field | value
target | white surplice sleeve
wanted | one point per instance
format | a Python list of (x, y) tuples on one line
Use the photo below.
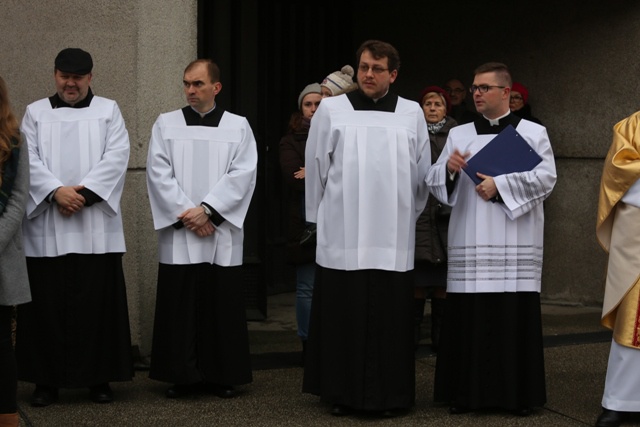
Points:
[(522, 191), (317, 161), (423, 160), (106, 177), (231, 195), (438, 174), (167, 198), (42, 181)]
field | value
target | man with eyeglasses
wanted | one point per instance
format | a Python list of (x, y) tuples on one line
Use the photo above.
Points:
[(366, 161), (459, 108), (491, 353)]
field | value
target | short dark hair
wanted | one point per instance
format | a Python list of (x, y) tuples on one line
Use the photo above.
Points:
[(501, 70), (212, 68), (378, 50)]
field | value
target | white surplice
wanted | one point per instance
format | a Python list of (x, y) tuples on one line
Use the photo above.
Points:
[(188, 165), (365, 184), (75, 146), (495, 247)]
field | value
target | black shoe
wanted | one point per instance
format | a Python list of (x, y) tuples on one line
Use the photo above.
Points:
[(456, 410), (101, 393), (222, 391), (44, 396), (177, 391), (341, 410), (523, 412), (609, 418), (395, 412)]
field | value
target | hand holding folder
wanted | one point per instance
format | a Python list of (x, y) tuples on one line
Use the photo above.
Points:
[(507, 153)]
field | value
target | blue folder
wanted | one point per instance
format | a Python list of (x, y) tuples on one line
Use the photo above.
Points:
[(507, 153)]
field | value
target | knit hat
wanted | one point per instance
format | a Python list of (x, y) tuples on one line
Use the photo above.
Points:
[(519, 87), (311, 88), (339, 82), (439, 90), (74, 61)]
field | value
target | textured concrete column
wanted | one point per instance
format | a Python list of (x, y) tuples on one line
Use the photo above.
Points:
[(140, 49)]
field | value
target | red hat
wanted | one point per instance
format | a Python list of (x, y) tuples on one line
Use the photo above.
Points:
[(519, 87), (439, 90)]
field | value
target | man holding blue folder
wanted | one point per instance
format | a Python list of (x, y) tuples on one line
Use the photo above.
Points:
[(491, 352)]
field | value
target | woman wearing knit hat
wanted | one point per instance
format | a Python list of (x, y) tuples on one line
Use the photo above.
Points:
[(339, 82), (518, 103), (303, 255), (433, 224)]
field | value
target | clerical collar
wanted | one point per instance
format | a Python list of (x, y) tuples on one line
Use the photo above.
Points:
[(57, 102), (361, 102), (496, 121), (484, 127), (211, 118), (204, 114)]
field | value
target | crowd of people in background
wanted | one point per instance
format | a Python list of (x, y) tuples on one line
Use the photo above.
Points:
[(381, 218)]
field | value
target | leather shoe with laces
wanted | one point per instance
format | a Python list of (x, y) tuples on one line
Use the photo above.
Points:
[(44, 396), (609, 418), (101, 393)]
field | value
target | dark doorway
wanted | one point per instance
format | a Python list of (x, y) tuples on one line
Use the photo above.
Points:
[(268, 51)]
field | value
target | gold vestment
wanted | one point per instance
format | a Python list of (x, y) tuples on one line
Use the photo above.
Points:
[(618, 232)]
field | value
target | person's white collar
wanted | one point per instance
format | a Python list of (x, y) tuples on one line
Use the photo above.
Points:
[(496, 121), (204, 114), (375, 100)]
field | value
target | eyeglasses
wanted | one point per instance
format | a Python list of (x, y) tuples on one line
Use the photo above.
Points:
[(483, 88), (517, 98), (364, 68), (456, 90)]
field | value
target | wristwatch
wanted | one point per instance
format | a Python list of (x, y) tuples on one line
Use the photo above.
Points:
[(207, 211)]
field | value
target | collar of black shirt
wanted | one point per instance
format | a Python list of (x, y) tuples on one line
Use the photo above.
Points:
[(483, 126), (57, 102), (362, 102), (211, 119)]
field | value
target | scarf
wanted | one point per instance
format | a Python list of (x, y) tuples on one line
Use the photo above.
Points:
[(435, 127), (9, 172)]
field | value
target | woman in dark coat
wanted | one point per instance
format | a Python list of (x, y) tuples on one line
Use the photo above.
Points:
[(292, 147), (433, 223)]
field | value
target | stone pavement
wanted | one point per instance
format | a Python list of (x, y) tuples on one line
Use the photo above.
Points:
[(576, 351)]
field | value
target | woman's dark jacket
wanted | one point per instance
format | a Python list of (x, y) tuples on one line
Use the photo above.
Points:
[(292, 147), (433, 224)]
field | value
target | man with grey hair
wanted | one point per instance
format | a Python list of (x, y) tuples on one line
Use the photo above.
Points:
[(75, 333)]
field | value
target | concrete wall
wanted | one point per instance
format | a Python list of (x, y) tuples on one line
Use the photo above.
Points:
[(139, 49)]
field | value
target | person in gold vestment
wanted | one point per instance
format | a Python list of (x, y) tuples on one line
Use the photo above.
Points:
[(618, 232)]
